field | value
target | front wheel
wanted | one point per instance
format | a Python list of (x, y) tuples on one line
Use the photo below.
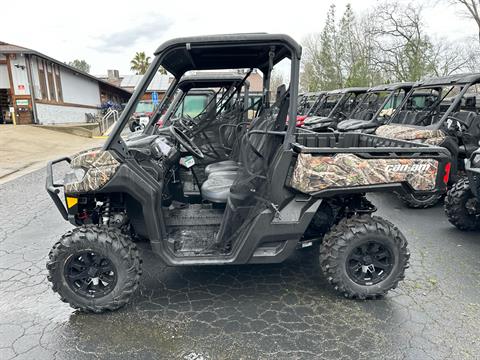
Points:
[(420, 201), (462, 207), (364, 256), (94, 268)]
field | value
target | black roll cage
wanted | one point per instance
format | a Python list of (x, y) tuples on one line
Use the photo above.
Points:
[(235, 51), (392, 89), (463, 89)]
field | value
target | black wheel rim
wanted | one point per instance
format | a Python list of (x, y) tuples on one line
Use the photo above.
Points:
[(90, 274), (370, 263)]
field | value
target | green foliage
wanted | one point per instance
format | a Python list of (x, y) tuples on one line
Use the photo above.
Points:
[(81, 65), (140, 63), (386, 44)]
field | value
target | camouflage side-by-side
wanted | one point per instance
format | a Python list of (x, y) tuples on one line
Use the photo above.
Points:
[(316, 173), (99, 166), (401, 132)]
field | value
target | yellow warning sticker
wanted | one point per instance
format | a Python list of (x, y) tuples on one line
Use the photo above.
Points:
[(71, 201)]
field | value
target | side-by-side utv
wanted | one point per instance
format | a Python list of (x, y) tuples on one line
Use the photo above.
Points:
[(462, 203), (334, 107), (375, 108), (440, 111), (292, 188), (307, 104)]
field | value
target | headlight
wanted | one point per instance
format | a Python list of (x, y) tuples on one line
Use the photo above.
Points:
[(97, 166)]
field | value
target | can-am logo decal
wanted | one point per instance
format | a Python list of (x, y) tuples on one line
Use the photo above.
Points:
[(417, 168)]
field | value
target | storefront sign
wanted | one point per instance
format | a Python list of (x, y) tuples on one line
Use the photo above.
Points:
[(21, 102), (21, 87)]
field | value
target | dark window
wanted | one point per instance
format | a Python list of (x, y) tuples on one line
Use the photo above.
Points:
[(58, 82), (43, 82), (51, 83)]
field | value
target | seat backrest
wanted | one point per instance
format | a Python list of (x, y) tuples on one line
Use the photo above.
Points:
[(401, 116), (465, 116), (257, 150), (420, 118)]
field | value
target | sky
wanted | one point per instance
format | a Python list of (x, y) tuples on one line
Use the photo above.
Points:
[(108, 33)]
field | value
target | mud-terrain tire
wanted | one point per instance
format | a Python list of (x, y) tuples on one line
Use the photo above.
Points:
[(339, 251), (456, 206), (94, 268), (420, 201)]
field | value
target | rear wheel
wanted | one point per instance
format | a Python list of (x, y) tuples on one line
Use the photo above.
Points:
[(364, 257), (462, 207), (420, 201), (94, 268)]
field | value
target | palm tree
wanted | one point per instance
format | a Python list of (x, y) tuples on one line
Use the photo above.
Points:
[(140, 63)]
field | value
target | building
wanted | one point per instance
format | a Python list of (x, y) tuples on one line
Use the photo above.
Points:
[(42, 90), (160, 82)]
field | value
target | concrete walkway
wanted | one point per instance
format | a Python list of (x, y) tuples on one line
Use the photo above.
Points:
[(25, 148)]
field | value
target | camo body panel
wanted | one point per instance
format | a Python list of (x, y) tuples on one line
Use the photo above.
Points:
[(316, 173), (400, 132), (99, 166)]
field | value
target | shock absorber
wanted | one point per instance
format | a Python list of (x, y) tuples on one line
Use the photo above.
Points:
[(106, 212)]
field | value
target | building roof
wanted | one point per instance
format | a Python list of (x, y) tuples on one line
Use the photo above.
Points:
[(255, 79), (210, 81), (15, 49), (159, 83)]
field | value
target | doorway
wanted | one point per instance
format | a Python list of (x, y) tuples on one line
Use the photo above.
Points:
[(5, 104)]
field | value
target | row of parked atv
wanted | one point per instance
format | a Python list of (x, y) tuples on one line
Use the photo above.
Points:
[(228, 183), (441, 111)]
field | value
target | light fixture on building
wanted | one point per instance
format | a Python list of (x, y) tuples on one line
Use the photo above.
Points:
[(19, 66)]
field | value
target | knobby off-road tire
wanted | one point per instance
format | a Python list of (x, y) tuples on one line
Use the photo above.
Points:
[(456, 206), (115, 255), (420, 201), (345, 240)]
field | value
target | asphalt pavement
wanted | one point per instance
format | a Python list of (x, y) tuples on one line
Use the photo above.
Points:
[(284, 311)]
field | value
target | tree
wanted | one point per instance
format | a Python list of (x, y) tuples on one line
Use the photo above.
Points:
[(341, 55), (81, 65), (471, 9), (405, 51), (386, 44), (140, 63), (449, 58), (321, 66)]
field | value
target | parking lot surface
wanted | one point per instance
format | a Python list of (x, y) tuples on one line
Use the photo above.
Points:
[(284, 311)]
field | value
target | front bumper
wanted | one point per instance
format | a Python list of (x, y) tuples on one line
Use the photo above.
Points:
[(54, 189)]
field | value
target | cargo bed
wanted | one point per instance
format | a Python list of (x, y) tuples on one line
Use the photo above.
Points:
[(333, 163)]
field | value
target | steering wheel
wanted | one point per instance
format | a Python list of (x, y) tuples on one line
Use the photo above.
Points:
[(463, 123), (187, 122), (186, 142)]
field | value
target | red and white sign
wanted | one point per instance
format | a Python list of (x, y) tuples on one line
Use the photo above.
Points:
[(21, 87)]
